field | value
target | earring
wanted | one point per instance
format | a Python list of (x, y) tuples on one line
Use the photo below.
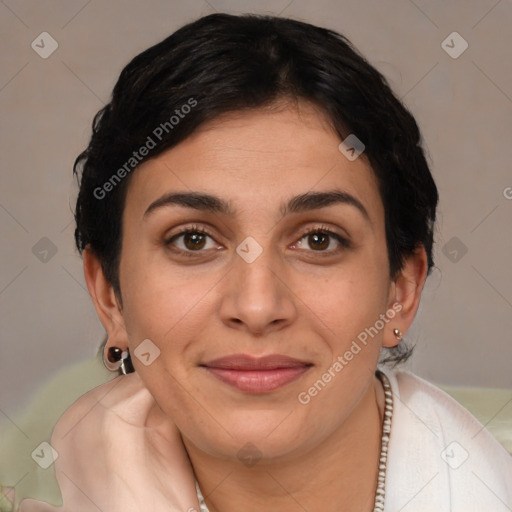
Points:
[(117, 360), (398, 334)]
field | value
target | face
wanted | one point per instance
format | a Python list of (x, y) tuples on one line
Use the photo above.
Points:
[(252, 283)]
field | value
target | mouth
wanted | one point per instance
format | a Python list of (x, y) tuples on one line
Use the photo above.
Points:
[(256, 374)]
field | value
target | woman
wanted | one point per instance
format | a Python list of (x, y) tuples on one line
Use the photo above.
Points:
[(256, 220)]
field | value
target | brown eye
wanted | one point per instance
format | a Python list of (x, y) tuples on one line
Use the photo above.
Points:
[(194, 241), (320, 239), (191, 240)]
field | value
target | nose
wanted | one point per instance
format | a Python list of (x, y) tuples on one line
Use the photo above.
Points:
[(256, 296)]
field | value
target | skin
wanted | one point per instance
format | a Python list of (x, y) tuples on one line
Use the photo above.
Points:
[(295, 299)]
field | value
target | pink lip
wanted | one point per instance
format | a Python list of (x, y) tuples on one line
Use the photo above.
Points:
[(257, 375)]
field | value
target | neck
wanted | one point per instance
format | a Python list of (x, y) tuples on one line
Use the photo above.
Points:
[(339, 473)]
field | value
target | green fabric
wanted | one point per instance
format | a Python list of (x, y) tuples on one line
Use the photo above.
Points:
[(5, 504), (492, 407)]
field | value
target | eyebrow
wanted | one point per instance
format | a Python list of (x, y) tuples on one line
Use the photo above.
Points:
[(297, 204)]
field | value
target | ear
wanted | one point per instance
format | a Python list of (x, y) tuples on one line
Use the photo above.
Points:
[(105, 301), (404, 295)]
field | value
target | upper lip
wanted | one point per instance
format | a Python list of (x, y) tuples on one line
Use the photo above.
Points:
[(246, 362)]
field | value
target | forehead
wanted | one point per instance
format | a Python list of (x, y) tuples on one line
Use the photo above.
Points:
[(255, 159)]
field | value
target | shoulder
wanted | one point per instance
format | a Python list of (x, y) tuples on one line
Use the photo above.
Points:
[(88, 439), (440, 448), (125, 396), (109, 448), (437, 407), (93, 432)]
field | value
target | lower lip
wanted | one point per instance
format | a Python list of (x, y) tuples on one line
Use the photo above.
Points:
[(258, 381)]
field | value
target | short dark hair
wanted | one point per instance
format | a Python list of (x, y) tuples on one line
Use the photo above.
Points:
[(225, 63)]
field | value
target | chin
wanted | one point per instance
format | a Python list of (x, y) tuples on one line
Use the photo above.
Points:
[(269, 435)]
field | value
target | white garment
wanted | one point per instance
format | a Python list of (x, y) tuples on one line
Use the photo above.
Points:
[(440, 458)]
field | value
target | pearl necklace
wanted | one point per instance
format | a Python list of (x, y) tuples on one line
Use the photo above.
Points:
[(386, 430)]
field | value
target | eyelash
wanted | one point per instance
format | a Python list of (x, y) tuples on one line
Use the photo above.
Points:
[(323, 230), (186, 231), (311, 231)]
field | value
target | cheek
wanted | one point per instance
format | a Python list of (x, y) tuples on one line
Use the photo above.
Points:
[(349, 300), (159, 299), (169, 315), (346, 314)]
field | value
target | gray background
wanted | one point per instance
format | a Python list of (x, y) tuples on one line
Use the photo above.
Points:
[(463, 106)]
